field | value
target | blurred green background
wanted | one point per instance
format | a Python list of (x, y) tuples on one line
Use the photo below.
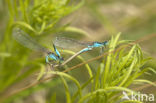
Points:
[(93, 20)]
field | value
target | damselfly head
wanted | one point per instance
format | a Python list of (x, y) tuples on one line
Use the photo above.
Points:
[(49, 53), (105, 42)]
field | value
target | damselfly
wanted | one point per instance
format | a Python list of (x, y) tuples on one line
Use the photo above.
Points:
[(71, 43), (27, 41)]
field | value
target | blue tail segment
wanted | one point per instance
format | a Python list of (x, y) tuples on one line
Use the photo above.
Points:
[(85, 49), (98, 44), (95, 45), (56, 51)]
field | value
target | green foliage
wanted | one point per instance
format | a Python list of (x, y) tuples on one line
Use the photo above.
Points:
[(40, 16), (35, 17), (115, 74)]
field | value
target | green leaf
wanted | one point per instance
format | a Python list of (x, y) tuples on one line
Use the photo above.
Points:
[(5, 54), (42, 71), (127, 73), (82, 87), (25, 25), (77, 30), (112, 45), (68, 97), (145, 81), (53, 98), (94, 93), (126, 59), (69, 77)]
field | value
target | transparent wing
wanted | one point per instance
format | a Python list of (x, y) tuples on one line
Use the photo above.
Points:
[(69, 43), (24, 39)]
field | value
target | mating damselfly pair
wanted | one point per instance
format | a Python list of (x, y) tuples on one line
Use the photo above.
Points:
[(27, 41)]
